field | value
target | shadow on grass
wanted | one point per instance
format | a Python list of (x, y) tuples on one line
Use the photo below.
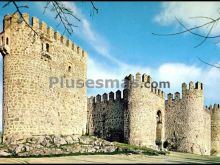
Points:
[(210, 160), (69, 154), (144, 150)]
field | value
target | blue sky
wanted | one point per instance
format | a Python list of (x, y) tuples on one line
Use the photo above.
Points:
[(119, 41)]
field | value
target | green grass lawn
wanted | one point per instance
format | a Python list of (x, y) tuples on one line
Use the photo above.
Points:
[(145, 150)]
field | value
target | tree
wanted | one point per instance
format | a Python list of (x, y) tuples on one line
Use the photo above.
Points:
[(61, 12), (194, 31)]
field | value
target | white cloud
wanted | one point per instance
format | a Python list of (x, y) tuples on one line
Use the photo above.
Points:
[(178, 73), (175, 73), (86, 32), (185, 10), (97, 70), (89, 35), (212, 78)]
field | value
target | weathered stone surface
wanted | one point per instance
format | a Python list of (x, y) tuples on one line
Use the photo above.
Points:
[(69, 140), (85, 140), (20, 148), (131, 118), (144, 118), (46, 142), (58, 141), (56, 145), (4, 154), (31, 106), (188, 124), (215, 127), (75, 138)]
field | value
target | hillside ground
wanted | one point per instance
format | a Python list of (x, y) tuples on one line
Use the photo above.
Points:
[(173, 157)]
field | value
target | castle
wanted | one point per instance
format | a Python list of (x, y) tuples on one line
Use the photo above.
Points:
[(138, 116)]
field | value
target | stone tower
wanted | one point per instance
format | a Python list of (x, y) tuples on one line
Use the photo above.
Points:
[(31, 57), (215, 127), (187, 122), (136, 118), (145, 112)]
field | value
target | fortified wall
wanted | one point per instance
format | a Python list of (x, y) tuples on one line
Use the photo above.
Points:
[(188, 123), (106, 116), (136, 118), (145, 112), (30, 57), (33, 53), (143, 117), (215, 127)]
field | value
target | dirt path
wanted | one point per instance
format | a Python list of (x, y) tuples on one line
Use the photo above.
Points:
[(172, 158)]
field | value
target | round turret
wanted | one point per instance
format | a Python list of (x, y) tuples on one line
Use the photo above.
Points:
[(215, 127), (145, 113), (196, 121)]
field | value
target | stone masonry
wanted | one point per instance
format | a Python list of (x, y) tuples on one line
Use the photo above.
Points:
[(31, 107), (136, 118), (187, 122), (143, 117), (138, 115), (215, 127)]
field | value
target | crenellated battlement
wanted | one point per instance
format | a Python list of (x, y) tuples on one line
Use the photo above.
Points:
[(190, 89), (215, 126), (4, 44), (138, 78), (214, 108), (143, 81), (157, 92), (42, 29), (197, 86), (111, 96), (173, 97)]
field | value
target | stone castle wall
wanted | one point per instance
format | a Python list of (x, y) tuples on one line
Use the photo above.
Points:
[(106, 116), (132, 118), (140, 117), (188, 124), (31, 107), (215, 127), (145, 112)]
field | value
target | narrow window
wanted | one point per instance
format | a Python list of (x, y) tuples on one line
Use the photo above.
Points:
[(159, 117), (2, 40), (7, 41), (42, 47), (159, 129), (47, 47), (69, 68), (77, 49), (83, 53)]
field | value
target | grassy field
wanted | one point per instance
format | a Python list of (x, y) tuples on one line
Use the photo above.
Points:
[(127, 154), (173, 157), (144, 150)]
